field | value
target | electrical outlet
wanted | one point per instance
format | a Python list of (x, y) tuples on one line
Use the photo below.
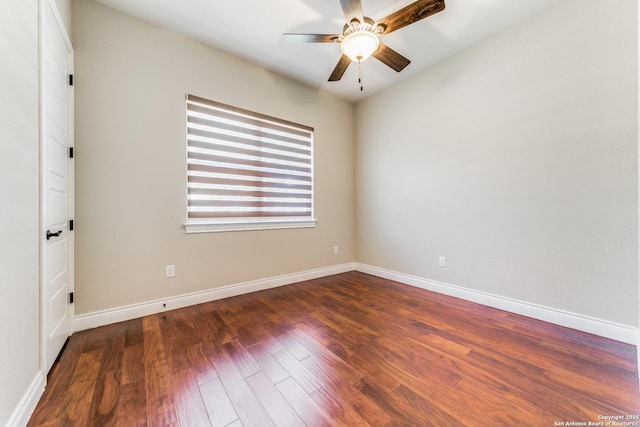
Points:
[(336, 249), (170, 270), (443, 261)]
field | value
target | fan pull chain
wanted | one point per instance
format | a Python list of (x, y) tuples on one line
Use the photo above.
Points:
[(360, 75)]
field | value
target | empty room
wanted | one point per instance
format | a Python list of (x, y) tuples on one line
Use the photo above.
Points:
[(319, 213)]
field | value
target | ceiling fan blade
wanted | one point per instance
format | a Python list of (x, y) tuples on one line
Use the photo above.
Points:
[(390, 57), (352, 9), (341, 67), (408, 15), (311, 38)]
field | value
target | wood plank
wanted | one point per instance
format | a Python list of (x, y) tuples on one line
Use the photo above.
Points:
[(133, 332), (132, 408), (60, 378), (78, 398), (242, 359), (132, 364), (300, 374), (161, 409), (268, 364), (427, 412), (280, 412), (105, 398), (245, 403), (219, 407), (348, 349), (202, 367), (106, 392), (189, 404), (295, 348), (343, 399), (341, 412), (306, 408)]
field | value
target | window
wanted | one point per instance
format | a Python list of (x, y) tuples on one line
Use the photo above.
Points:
[(246, 170)]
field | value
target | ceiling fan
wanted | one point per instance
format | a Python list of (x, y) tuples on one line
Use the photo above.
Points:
[(360, 36)]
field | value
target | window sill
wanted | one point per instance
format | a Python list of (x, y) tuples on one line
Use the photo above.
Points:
[(219, 227)]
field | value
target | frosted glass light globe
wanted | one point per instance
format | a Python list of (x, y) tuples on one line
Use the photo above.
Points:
[(359, 45)]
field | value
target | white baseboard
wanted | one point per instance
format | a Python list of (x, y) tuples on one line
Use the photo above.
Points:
[(120, 314), (580, 322), (28, 403)]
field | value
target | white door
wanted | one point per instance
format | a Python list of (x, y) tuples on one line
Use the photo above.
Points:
[(57, 204)]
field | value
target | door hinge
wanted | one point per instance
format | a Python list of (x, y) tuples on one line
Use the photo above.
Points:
[(70, 297), (70, 79), (71, 225), (71, 152)]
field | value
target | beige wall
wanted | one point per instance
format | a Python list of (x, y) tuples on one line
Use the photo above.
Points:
[(131, 81), (19, 202), (517, 160)]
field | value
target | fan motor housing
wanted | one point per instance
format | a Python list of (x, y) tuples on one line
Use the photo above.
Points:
[(368, 24)]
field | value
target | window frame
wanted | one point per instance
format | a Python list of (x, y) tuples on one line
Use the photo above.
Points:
[(250, 119)]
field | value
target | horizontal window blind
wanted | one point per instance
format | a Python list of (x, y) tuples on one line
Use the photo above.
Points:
[(242, 164)]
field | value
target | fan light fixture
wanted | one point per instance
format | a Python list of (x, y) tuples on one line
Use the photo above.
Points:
[(359, 38), (359, 45)]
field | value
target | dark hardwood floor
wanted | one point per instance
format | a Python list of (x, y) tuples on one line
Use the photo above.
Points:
[(346, 350)]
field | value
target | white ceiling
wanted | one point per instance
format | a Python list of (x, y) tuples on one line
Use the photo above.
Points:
[(252, 30)]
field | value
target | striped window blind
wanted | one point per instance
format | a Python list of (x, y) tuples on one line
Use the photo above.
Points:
[(246, 166)]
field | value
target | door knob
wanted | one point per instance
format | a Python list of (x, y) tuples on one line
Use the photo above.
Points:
[(50, 234)]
